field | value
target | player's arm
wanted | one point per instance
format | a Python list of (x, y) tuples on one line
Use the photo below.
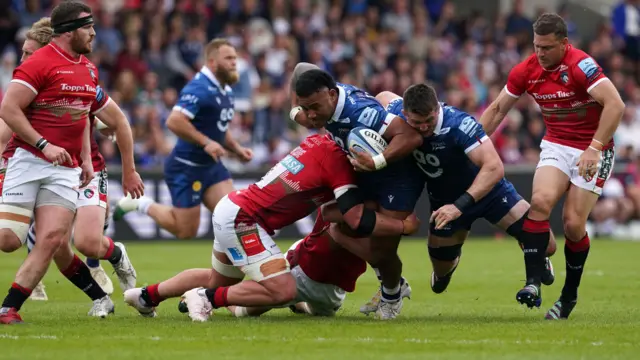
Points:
[(231, 144), (180, 120), (497, 110), (16, 100), (112, 116), (491, 171), (402, 139), (607, 95), (363, 221), (5, 135), (339, 176), (386, 97), (470, 136)]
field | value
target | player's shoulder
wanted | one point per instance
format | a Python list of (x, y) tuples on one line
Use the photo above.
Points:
[(454, 118), (580, 60)]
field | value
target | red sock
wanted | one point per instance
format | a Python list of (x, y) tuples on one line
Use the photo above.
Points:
[(535, 226), (22, 289), (109, 252), (154, 296), (578, 246), (73, 268), (218, 296)]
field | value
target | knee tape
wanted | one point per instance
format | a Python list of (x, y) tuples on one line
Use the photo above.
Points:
[(446, 253), (16, 219), (229, 271), (268, 268)]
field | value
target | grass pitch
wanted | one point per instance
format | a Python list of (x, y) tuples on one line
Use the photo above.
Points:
[(476, 318)]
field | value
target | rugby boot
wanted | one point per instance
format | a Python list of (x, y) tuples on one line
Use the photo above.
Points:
[(561, 309), (530, 295), (133, 298), (372, 305), (9, 316), (548, 275)]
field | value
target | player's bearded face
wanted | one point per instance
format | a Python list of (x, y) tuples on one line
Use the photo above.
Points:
[(225, 68), (549, 50), (82, 39)]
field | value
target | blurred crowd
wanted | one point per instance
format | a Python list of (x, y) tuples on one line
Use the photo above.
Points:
[(147, 50)]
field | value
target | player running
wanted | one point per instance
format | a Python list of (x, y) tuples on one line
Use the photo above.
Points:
[(581, 109), (55, 89), (464, 176), (312, 174), (193, 172), (324, 273), (92, 201), (339, 108)]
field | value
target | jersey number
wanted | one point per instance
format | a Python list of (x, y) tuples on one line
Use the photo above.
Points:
[(225, 116), (428, 160), (338, 141), (271, 175)]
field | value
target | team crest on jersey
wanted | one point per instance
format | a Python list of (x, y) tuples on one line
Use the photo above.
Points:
[(196, 186), (88, 193), (564, 76), (93, 74)]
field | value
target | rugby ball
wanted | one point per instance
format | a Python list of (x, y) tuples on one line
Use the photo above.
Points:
[(365, 139)]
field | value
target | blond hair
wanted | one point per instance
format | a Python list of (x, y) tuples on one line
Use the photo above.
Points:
[(41, 31), (214, 45)]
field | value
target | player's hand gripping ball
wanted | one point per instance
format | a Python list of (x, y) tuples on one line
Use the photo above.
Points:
[(364, 144)]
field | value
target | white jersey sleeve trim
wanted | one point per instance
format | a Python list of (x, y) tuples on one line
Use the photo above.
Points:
[(506, 89), (18, 81), (476, 144), (337, 192), (387, 121), (596, 84), (188, 113), (102, 108)]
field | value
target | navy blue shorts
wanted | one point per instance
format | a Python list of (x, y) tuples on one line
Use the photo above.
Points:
[(493, 207), (187, 182), (395, 188)]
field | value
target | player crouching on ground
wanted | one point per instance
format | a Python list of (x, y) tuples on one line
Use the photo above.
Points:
[(312, 174), (324, 272)]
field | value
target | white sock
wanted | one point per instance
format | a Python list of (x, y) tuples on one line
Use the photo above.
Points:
[(144, 203), (240, 311), (391, 295)]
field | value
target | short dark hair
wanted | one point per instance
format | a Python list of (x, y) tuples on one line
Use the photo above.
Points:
[(420, 99), (67, 11), (314, 80), (551, 23)]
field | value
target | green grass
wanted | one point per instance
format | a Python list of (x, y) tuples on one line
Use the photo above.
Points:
[(477, 318)]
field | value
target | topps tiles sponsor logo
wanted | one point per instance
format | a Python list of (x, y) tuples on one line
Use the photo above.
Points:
[(78, 88), (555, 95)]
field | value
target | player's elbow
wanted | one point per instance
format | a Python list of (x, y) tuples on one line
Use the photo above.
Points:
[(495, 167), (352, 216)]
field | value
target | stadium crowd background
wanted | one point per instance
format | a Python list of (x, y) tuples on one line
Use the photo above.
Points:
[(146, 50)]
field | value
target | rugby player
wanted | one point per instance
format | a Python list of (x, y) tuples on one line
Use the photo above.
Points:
[(92, 201), (324, 272), (312, 174), (194, 172), (464, 177), (47, 106), (339, 108), (581, 109)]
